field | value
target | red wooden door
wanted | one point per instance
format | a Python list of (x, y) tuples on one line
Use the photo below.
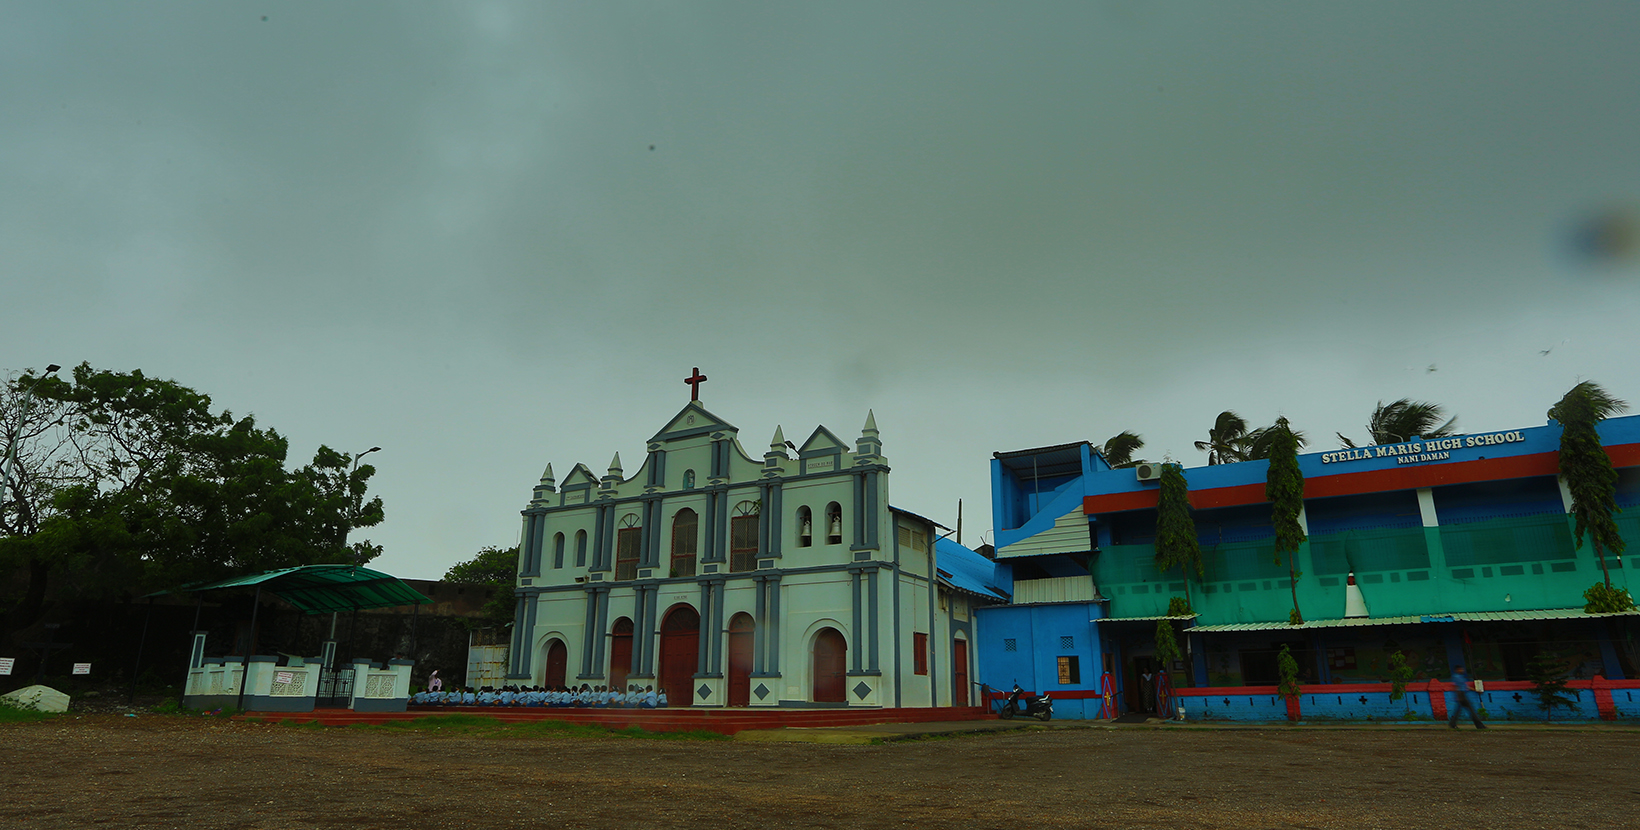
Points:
[(830, 661), (557, 663), (680, 650), (620, 653), (740, 660), (959, 676)]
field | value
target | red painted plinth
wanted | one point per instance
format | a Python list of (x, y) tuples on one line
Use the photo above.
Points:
[(684, 719)]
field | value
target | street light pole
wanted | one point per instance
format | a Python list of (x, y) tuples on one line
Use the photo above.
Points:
[(10, 460)]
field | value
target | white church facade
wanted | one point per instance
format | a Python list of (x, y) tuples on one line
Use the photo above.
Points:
[(733, 581)]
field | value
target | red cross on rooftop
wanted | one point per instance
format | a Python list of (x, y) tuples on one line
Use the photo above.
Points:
[(694, 381)]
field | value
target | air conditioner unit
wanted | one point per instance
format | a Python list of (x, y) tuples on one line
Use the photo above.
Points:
[(1149, 471)]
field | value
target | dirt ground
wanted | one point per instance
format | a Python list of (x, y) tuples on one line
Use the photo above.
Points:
[(188, 772)]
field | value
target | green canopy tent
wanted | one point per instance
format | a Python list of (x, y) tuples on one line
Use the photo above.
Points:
[(312, 589)]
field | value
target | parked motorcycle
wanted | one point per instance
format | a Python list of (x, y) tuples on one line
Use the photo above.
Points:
[(1018, 703)]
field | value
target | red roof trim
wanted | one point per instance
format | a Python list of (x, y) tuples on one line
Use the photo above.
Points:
[(1369, 481)]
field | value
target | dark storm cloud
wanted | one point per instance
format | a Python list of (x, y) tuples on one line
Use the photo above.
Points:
[(441, 227)]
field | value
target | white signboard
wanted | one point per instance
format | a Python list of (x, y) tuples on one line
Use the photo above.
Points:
[(284, 676), (82, 668), (6, 664)]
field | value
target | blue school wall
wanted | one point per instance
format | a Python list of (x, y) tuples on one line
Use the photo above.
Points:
[(1023, 643)]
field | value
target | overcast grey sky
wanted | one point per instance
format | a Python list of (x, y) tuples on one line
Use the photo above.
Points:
[(441, 228)]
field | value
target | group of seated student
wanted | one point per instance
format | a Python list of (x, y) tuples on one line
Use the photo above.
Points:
[(587, 696)]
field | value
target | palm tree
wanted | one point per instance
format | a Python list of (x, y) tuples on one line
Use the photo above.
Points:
[(1230, 440), (1261, 441), (1224, 444), (1284, 487), (1587, 469), (1118, 451), (1396, 422)]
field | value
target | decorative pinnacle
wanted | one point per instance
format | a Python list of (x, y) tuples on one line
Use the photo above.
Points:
[(870, 428), (546, 477), (615, 465), (778, 442)]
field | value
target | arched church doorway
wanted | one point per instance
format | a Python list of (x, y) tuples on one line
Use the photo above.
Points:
[(680, 652), (557, 662), (830, 661), (620, 652), (741, 629)]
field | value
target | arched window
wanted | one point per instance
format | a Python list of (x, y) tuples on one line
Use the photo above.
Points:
[(580, 549), (834, 524), (688, 479), (743, 537), (805, 527), (628, 540), (685, 526), (558, 550)]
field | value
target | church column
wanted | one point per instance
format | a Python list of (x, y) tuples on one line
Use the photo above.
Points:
[(720, 543), (703, 647), (589, 631), (597, 563), (716, 627), (515, 652), (860, 509), (873, 511), (773, 639), (774, 510), (759, 621), (858, 630), (526, 645), (649, 632), (599, 634), (873, 628), (763, 520), (639, 624)]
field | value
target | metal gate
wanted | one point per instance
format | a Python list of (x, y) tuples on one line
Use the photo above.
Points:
[(335, 689)]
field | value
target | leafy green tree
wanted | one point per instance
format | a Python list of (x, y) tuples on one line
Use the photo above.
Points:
[(1399, 675), (1547, 672), (1176, 542), (126, 484), (1287, 671), (1227, 440), (1167, 645), (1587, 469), (1399, 421), (1118, 451), (497, 567), (1284, 487)]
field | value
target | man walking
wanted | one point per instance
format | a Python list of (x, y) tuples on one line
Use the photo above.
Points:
[(1460, 679)]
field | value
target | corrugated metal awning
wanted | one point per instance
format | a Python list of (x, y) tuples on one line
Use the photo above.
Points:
[(1148, 619), (1414, 619)]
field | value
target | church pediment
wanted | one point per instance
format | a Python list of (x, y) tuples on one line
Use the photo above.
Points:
[(822, 442), (693, 420), (580, 475)]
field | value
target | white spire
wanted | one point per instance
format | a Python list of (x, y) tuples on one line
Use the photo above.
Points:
[(778, 442), (546, 476), (871, 424), (615, 465)]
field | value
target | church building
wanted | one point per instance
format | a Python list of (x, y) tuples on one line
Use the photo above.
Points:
[(729, 580)]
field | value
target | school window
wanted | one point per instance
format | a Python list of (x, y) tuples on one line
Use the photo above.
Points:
[(1069, 671), (919, 653), (1010, 644)]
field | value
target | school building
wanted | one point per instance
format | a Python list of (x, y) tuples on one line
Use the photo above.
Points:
[(1460, 551)]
